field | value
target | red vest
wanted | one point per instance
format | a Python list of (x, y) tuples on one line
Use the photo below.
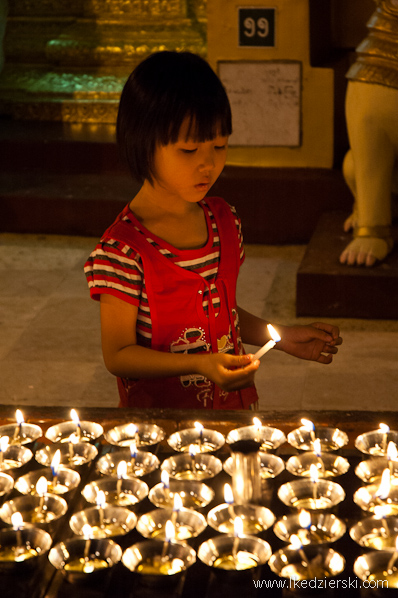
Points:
[(179, 323)]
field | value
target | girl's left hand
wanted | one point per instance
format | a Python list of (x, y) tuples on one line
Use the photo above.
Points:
[(315, 342)]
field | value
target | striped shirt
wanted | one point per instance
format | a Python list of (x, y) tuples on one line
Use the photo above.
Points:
[(116, 268)]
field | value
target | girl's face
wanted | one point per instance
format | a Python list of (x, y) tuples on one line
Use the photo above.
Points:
[(186, 170)]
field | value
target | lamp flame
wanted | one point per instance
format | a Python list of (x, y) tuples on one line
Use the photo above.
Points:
[(19, 417), (169, 531), (4, 442), (238, 527), (193, 450), (74, 417), (16, 521), (198, 426), (308, 424), (392, 451), (317, 447), (100, 499), (257, 423), (314, 474), (304, 519), (133, 450), (56, 460), (177, 504), (228, 494), (165, 478), (384, 489), (295, 542), (384, 428), (41, 486), (121, 470)]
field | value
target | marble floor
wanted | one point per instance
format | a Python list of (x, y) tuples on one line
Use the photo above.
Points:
[(50, 351)]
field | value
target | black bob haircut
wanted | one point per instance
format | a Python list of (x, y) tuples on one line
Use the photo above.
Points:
[(160, 93)]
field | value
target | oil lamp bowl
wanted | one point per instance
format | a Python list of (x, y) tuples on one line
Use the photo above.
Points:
[(69, 555), (29, 433), (255, 518), (144, 463), (83, 453), (15, 456), (376, 533), (206, 442), (53, 508), (324, 528), (217, 553), (328, 465), (6, 484), (147, 435), (331, 439), (375, 442), (270, 438), (106, 522), (323, 562), (371, 470), (372, 567), (140, 557), (201, 466), (89, 431), (270, 465), (365, 497), (299, 494), (187, 523), (131, 491), (34, 540), (66, 481), (194, 495)]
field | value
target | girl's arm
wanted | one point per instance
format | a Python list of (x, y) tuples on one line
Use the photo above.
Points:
[(315, 342), (124, 358)]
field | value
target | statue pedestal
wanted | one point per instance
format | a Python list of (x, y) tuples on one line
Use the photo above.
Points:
[(326, 288)]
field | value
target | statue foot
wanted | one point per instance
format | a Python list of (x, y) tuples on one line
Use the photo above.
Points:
[(366, 251)]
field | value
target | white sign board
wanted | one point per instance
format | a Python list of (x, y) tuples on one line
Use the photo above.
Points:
[(265, 101)]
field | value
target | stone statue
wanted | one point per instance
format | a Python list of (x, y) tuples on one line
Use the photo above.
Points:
[(370, 166)]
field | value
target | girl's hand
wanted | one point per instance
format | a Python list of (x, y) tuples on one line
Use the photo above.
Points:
[(315, 342), (229, 372)]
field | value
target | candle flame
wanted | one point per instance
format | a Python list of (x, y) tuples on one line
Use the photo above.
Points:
[(133, 450), (238, 527), (87, 531), (41, 486), (19, 417), (336, 563), (384, 428), (228, 494), (193, 450), (177, 505), (56, 460), (257, 423), (16, 521), (307, 424), (132, 429), (392, 451), (198, 426), (314, 474), (273, 333), (295, 542), (100, 499), (384, 489), (121, 470), (304, 519), (381, 511), (74, 416), (317, 447), (165, 478), (4, 442), (170, 531)]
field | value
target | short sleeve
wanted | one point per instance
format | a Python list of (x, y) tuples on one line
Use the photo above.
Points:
[(116, 269)]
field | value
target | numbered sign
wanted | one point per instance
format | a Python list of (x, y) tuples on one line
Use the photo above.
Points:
[(257, 27)]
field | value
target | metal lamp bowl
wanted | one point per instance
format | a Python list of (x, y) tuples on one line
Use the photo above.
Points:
[(270, 465), (67, 480), (331, 439), (15, 456), (365, 497), (193, 494), (27, 536), (54, 508), (73, 549), (201, 466), (328, 465), (89, 431), (372, 566), (375, 442), (371, 470), (112, 515), (376, 533), (6, 484), (220, 546), (300, 492), (123, 435), (269, 437), (255, 518), (83, 453), (206, 441), (187, 523), (324, 562), (144, 552), (29, 433), (132, 491), (144, 463), (324, 528)]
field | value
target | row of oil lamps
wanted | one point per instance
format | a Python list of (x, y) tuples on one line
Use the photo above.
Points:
[(309, 529)]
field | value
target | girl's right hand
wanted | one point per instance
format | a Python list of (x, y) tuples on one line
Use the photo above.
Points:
[(229, 372)]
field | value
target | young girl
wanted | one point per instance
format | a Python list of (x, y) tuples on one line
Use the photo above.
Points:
[(165, 272)]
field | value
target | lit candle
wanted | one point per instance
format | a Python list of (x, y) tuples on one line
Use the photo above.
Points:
[(314, 475), (318, 451), (133, 455), (100, 501), (121, 474), (169, 536), (385, 485), (193, 451), (133, 433), (17, 523), (309, 426), (54, 466), (275, 338), (199, 428), (238, 531), (76, 420), (384, 429), (4, 442), (392, 456), (380, 512), (257, 428), (18, 429), (165, 479), (41, 489), (73, 439), (177, 505), (295, 544), (229, 500)]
